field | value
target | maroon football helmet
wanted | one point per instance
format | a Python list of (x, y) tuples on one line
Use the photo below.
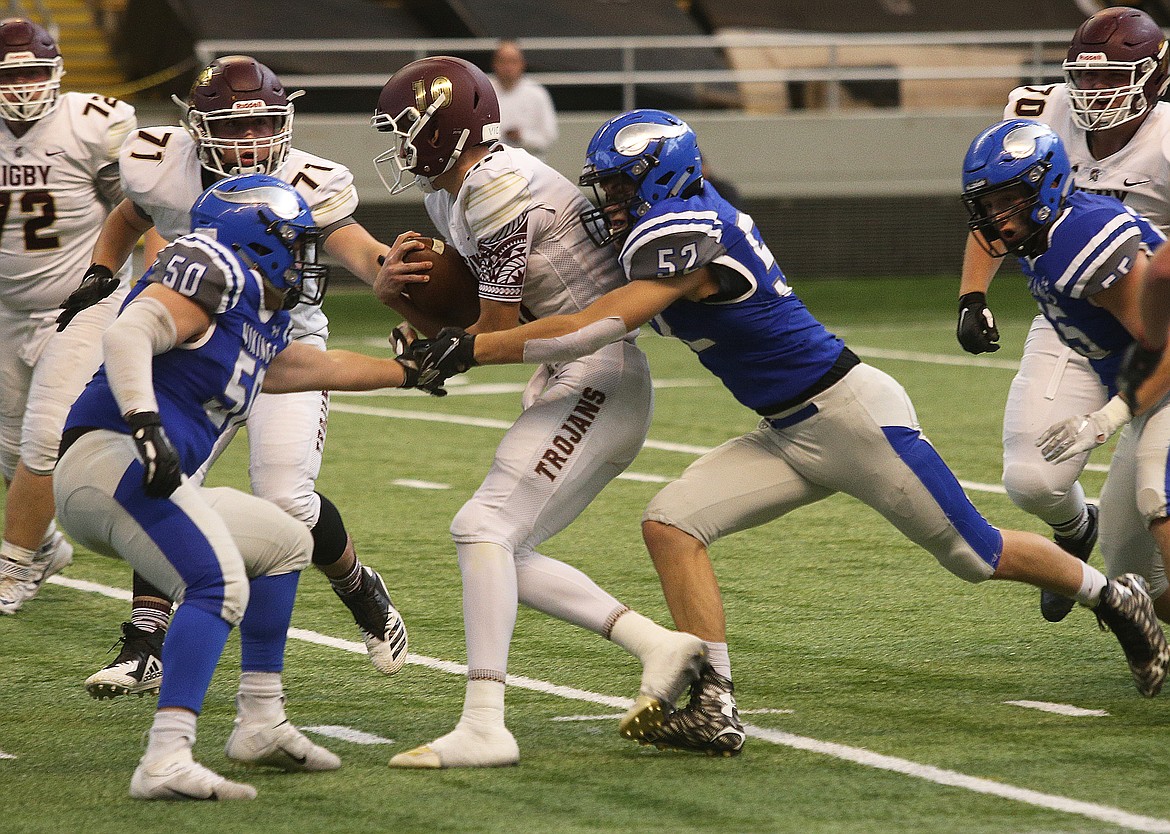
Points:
[(240, 117), (435, 108), (30, 71), (1116, 68)]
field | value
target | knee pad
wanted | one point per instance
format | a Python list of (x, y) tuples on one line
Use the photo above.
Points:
[(304, 507), (1035, 489), (473, 523), (329, 536), (228, 600)]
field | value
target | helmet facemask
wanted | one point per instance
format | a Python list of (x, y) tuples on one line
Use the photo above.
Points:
[(28, 101), (405, 128), (1101, 108), (222, 154), (993, 208), (617, 201)]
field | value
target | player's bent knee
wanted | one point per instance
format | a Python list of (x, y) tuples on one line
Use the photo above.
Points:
[(1035, 490), (304, 507), (476, 523)]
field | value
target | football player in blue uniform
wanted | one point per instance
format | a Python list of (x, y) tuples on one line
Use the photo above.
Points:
[(699, 270), (1085, 256), (199, 336)]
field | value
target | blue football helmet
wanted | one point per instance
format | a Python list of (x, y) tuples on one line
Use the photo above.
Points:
[(1019, 158), (269, 226), (655, 151)]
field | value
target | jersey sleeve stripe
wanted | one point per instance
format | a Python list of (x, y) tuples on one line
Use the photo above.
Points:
[(1074, 272), (1092, 267)]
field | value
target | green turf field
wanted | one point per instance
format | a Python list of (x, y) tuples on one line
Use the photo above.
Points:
[(874, 682)]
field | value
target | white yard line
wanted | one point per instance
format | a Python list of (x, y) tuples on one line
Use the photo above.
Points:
[(347, 734), (485, 423), (1059, 709), (858, 755)]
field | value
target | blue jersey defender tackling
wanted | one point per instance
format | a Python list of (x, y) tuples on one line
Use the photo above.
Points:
[(199, 336), (1085, 257), (699, 270)]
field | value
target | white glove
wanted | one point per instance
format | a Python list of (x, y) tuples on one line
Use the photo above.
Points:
[(1069, 438)]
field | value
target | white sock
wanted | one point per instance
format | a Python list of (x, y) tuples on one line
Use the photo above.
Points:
[(15, 553), (718, 657), (173, 730), (636, 634), (260, 699), (1092, 583), (483, 705), (489, 606), (562, 591)]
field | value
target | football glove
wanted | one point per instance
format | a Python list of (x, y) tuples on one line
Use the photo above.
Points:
[(409, 349), (451, 352), (163, 472), (976, 332), (96, 285), (1069, 438), (1137, 365)]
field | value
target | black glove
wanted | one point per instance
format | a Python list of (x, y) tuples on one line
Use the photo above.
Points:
[(976, 332), (1137, 365), (163, 472), (451, 352), (409, 349), (97, 284)]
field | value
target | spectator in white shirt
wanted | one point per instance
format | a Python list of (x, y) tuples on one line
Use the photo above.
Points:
[(527, 117)]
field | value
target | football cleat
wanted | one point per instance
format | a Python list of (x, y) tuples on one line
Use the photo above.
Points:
[(137, 670), (463, 747), (20, 583), (709, 723), (178, 776), (282, 746), (382, 627), (1124, 608), (666, 671), (1054, 607)]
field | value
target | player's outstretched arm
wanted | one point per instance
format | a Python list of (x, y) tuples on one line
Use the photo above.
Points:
[(302, 368), (633, 304)]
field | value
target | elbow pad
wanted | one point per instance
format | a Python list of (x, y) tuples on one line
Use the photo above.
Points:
[(587, 340)]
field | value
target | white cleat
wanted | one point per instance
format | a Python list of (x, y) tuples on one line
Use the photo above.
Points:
[(282, 746), (463, 747), (180, 777), (20, 583), (666, 672)]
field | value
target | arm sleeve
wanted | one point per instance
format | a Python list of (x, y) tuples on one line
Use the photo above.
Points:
[(142, 331)]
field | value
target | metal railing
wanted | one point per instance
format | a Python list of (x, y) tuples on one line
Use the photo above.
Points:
[(633, 62)]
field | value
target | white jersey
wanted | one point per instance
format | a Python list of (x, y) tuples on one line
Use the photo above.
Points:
[(161, 175), (1138, 174), (57, 184), (517, 223)]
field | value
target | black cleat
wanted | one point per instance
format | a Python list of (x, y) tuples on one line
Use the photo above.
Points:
[(381, 625), (137, 670), (1053, 606), (1125, 609), (709, 723)]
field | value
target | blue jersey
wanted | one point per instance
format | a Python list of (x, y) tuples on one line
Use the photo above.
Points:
[(755, 334), (202, 387), (1092, 244)]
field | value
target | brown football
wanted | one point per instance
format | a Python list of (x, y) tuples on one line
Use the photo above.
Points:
[(452, 295)]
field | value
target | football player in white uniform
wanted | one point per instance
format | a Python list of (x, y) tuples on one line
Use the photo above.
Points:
[(58, 181), (1117, 135), (238, 119), (515, 221)]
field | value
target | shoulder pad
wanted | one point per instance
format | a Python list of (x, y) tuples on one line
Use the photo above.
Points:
[(203, 270)]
